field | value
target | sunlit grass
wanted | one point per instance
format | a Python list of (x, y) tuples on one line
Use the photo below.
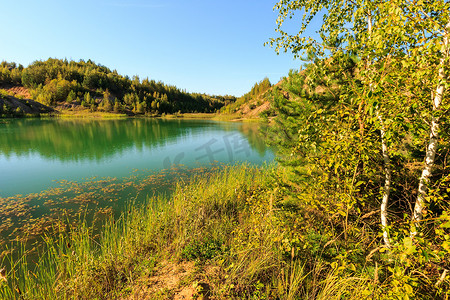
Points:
[(79, 265), (214, 116), (230, 222), (88, 114)]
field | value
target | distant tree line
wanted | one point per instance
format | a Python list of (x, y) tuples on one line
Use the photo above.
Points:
[(97, 87)]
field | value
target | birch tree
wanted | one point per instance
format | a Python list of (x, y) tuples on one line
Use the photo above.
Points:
[(402, 50), (406, 45), (417, 34), (347, 27), (384, 146), (441, 89)]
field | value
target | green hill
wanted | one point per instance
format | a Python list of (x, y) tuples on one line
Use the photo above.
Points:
[(70, 85)]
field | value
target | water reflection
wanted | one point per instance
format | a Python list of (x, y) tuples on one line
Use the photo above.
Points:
[(33, 153), (69, 140), (54, 173)]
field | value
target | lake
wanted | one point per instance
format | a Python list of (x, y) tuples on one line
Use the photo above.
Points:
[(53, 170)]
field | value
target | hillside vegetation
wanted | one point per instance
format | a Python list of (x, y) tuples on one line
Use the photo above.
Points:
[(253, 104), (70, 85)]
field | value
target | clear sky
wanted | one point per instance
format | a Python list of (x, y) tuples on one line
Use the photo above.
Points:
[(209, 46)]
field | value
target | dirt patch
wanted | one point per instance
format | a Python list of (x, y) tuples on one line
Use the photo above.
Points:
[(252, 110), (16, 100), (19, 91), (170, 280), (254, 113)]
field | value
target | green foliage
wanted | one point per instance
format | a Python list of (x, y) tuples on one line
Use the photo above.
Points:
[(88, 100), (117, 106), (333, 166), (34, 76), (203, 250), (52, 81), (257, 90), (141, 107), (71, 96), (10, 73), (369, 84)]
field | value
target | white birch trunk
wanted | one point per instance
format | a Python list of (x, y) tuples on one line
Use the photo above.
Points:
[(387, 183), (433, 143), (426, 173), (386, 159)]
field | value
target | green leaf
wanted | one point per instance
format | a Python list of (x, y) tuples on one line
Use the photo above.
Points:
[(410, 248), (446, 225), (408, 288)]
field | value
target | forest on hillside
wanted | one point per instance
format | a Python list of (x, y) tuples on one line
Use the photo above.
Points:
[(94, 86), (256, 92)]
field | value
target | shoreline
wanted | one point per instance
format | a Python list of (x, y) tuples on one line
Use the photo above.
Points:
[(83, 114)]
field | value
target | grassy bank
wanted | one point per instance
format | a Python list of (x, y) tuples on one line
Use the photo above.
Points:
[(213, 116), (87, 115), (231, 235)]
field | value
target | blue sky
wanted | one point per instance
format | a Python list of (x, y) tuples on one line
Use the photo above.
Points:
[(209, 46)]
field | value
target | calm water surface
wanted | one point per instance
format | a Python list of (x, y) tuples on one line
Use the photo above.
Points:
[(36, 153), (56, 173)]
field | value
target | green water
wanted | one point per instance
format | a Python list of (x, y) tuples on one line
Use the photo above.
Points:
[(53, 172), (34, 153)]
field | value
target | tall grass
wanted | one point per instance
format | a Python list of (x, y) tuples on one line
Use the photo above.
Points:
[(231, 220)]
